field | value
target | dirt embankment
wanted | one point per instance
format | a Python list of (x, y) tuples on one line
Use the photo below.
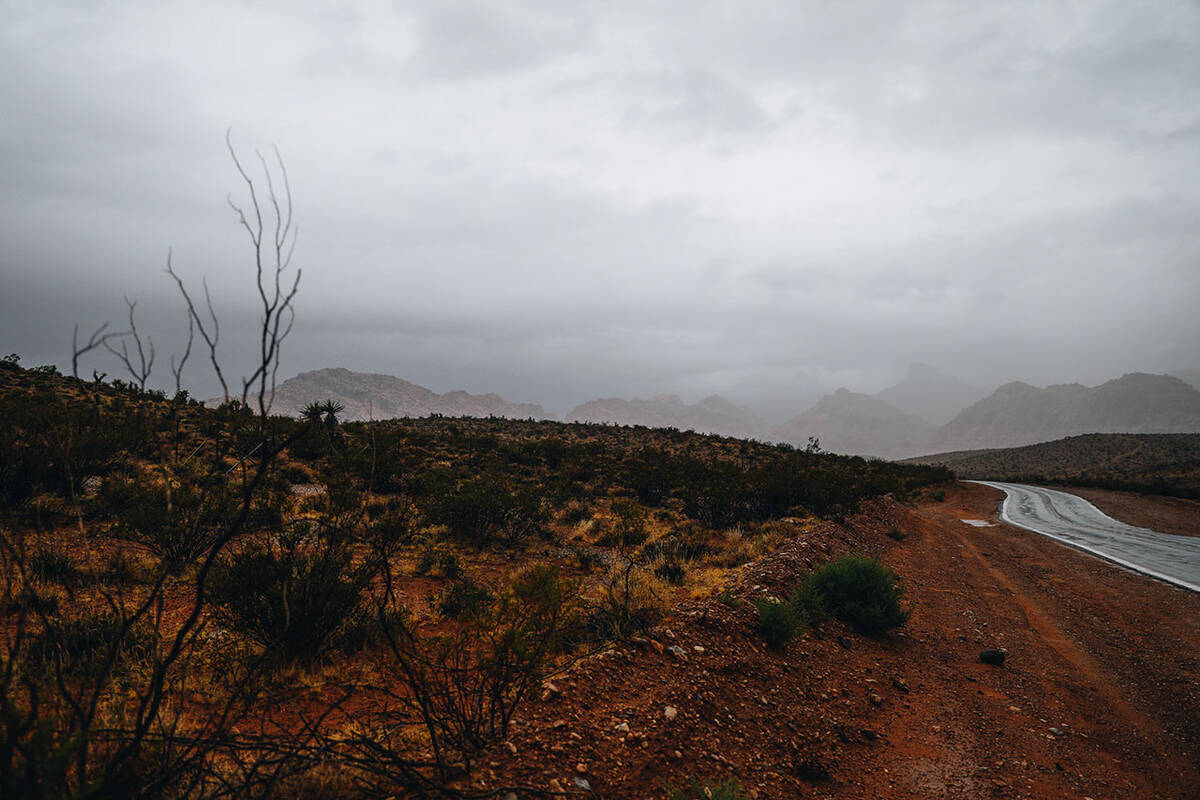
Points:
[(1099, 696), (1163, 514)]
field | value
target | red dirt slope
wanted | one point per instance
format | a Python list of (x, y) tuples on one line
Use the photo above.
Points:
[(1099, 697)]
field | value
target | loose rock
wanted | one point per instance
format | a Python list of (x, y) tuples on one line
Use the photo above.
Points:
[(993, 657)]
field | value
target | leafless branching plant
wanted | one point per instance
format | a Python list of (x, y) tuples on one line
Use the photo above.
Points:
[(141, 368), (97, 340)]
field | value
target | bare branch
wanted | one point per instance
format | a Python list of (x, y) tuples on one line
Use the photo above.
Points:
[(210, 331), (177, 369), (98, 339), (145, 352), (272, 262)]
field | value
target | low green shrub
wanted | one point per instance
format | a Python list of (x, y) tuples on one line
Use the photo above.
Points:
[(779, 621), (464, 597), (55, 566), (730, 789), (861, 592), (291, 598), (83, 646), (896, 534)]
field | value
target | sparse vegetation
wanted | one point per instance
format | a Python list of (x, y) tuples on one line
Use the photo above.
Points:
[(779, 621), (198, 552), (696, 789), (861, 592)]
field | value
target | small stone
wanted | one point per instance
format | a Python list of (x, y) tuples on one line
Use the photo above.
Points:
[(677, 651), (993, 656), (669, 713), (1057, 731), (621, 727), (900, 685), (1015, 709), (581, 768), (511, 748), (876, 700), (698, 648), (582, 783), (657, 645)]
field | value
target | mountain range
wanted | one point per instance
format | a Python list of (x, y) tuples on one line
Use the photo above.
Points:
[(914, 417)]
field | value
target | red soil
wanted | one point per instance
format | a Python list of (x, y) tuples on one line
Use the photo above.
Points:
[(1099, 697)]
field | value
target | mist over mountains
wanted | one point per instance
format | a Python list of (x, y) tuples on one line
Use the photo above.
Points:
[(927, 412)]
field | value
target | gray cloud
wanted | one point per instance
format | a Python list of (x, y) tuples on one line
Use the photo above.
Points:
[(558, 201)]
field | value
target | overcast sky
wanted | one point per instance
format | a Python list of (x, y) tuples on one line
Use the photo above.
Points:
[(561, 200)]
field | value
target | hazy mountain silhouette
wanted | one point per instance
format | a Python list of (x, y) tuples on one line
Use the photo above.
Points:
[(371, 396), (1019, 414), (713, 414), (1188, 376), (931, 394), (858, 424)]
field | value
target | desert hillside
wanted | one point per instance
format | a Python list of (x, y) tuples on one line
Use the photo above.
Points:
[(713, 414), (1161, 463)]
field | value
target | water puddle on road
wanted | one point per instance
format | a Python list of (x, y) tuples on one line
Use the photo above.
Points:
[(980, 523)]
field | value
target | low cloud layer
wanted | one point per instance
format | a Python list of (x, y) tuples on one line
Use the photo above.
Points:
[(559, 201)]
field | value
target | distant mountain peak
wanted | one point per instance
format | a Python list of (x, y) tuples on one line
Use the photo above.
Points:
[(368, 395), (931, 394)]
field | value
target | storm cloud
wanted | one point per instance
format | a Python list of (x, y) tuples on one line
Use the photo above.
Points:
[(563, 200)]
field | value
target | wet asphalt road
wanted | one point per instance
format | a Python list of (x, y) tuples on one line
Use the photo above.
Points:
[(1076, 522)]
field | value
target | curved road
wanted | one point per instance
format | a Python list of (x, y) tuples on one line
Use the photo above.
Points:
[(1075, 521)]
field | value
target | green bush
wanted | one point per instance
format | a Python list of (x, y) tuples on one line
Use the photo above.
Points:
[(897, 534), (704, 790), (861, 592), (83, 646), (291, 598), (779, 621), (55, 566), (464, 598), (485, 509)]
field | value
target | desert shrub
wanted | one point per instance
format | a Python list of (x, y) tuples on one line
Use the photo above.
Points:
[(728, 599), (576, 512), (55, 566), (176, 520), (628, 528), (366, 628), (632, 600), (779, 621), (464, 686), (861, 592), (485, 509), (896, 534), (289, 597), (670, 571), (696, 789), (464, 597), (81, 646)]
